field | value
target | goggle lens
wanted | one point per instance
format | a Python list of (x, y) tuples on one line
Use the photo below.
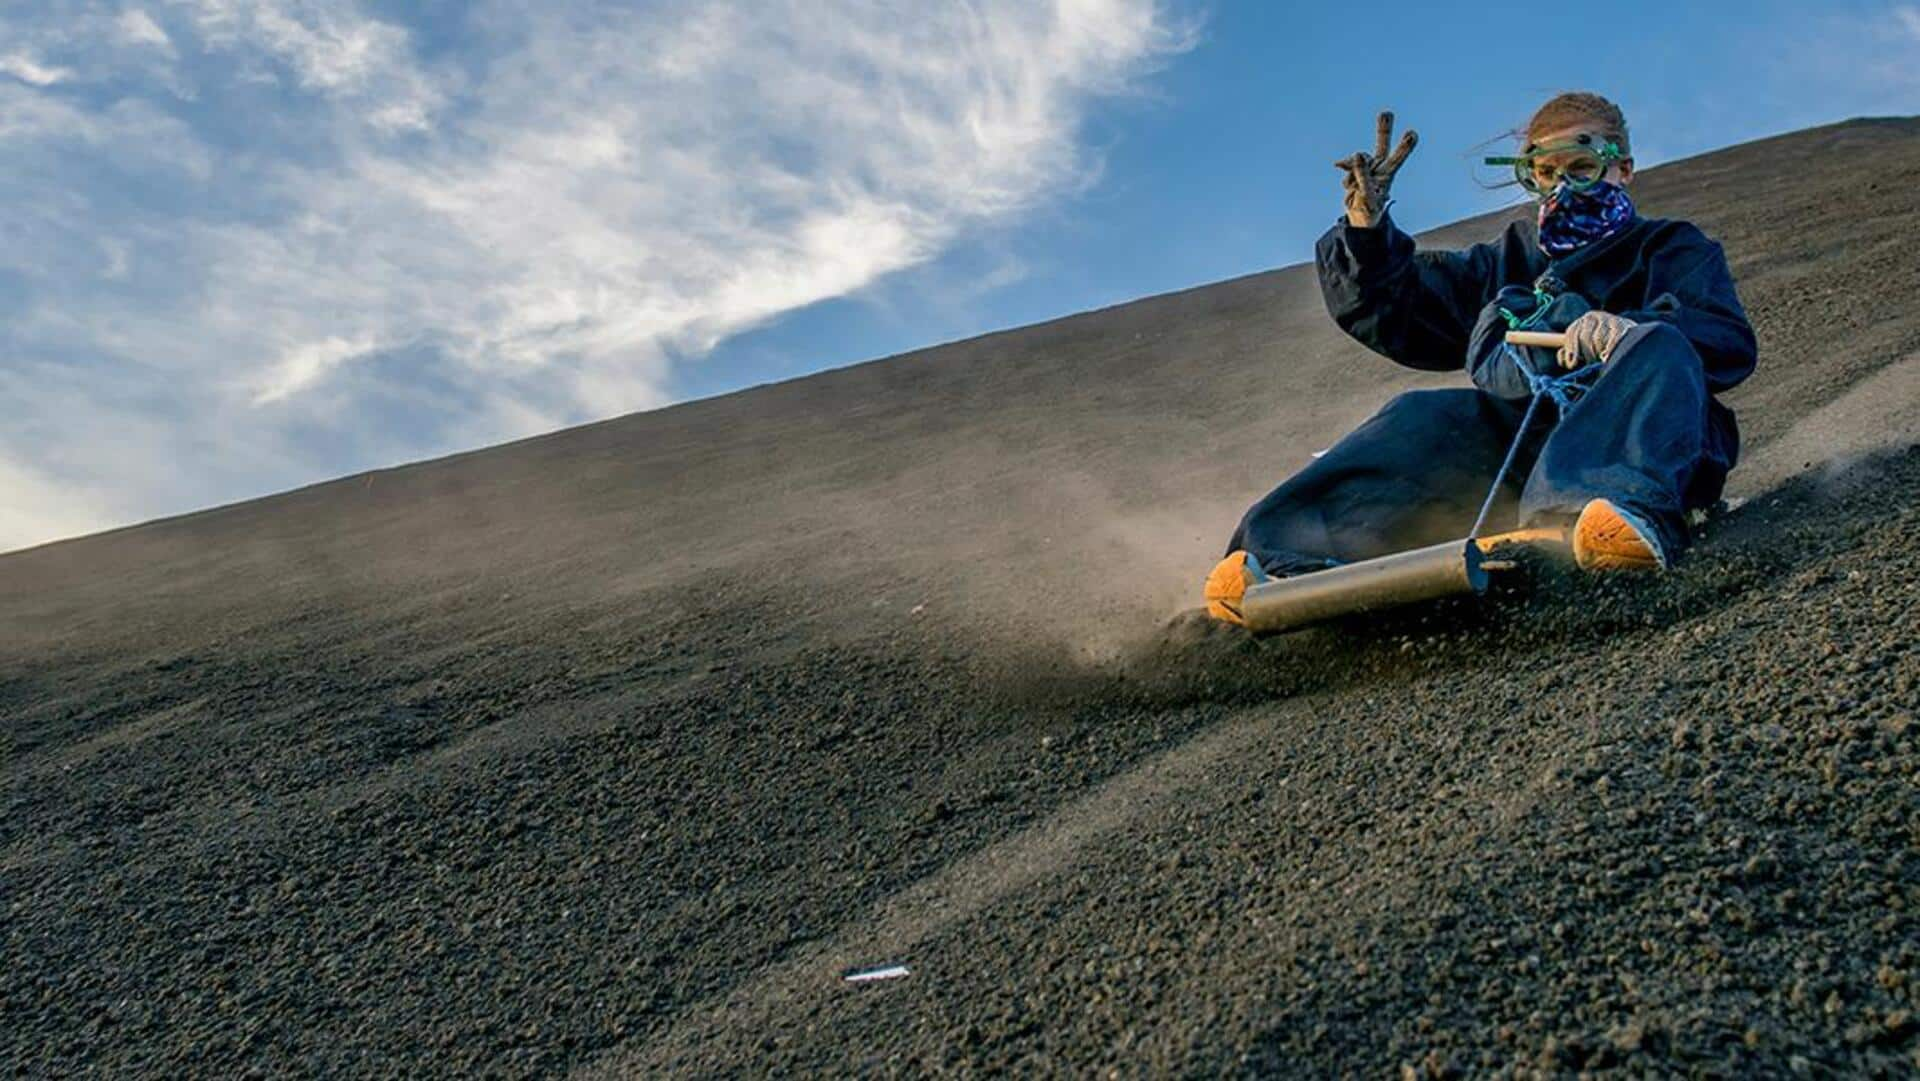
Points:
[(1577, 165), (1579, 170)]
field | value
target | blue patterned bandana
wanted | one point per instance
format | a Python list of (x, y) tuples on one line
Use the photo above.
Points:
[(1570, 220)]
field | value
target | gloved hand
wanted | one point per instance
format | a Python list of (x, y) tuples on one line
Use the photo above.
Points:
[(1370, 176), (1592, 338)]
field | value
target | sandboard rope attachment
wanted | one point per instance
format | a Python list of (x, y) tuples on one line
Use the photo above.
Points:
[(1562, 390)]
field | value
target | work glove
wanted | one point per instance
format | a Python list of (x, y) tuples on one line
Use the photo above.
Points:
[(1370, 176), (1592, 338)]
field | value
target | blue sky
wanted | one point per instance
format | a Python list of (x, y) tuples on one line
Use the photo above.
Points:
[(251, 244)]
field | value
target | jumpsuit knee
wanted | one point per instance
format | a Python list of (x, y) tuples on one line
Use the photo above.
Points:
[(1641, 437), (1413, 474)]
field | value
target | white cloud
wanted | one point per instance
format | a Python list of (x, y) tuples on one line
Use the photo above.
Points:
[(329, 49), (1873, 58), (1908, 18), (527, 230), (28, 70), (305, 365), (39, 508), (136, 27)]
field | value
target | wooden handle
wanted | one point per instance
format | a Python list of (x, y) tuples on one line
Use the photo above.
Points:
[(1551, 339)]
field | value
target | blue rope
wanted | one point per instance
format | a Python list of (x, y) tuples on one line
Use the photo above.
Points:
[(1562, 390)]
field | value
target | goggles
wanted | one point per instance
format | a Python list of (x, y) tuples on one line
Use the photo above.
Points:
[(1578, 164)]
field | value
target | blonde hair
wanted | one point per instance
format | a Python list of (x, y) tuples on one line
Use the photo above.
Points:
[(1576, 107)]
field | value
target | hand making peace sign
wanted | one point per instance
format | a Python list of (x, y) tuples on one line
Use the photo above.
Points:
[(1369, 176)]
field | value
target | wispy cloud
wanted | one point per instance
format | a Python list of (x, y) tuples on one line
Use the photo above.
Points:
[(136, 27), (28, 70), (274, 239), (1873, 56)]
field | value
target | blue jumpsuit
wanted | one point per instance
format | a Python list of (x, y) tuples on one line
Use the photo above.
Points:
[(1649, 435)]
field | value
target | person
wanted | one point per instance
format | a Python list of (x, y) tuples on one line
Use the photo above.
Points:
[(1649, 301)]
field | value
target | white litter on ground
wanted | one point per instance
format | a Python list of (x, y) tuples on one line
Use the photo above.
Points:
[(892, 972)]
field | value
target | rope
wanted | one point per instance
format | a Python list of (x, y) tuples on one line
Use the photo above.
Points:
[(1562, 390)]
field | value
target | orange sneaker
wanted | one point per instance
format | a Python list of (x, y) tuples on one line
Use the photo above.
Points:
[(1227, 585), (1610, 539)]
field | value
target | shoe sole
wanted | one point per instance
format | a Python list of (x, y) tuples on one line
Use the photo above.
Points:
[(1603, 540)]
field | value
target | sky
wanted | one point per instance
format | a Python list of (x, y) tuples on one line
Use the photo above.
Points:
[(247, 245)]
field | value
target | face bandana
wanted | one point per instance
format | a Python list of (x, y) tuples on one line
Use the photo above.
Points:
[(1570, 220)]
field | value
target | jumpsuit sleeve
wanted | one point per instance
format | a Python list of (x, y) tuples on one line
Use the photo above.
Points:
[(1489, 364), (1690, 287), (1414, 308)]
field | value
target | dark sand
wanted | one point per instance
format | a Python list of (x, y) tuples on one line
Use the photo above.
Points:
[(613, 749)]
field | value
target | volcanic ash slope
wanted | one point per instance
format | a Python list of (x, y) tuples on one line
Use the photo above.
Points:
[(615, 749)]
